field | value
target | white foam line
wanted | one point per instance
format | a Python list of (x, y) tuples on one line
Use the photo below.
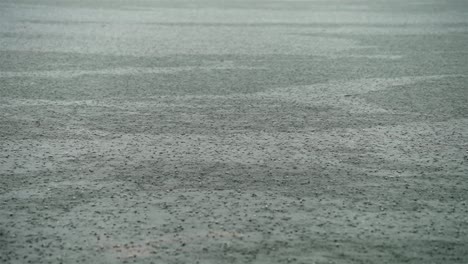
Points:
[(377, 56), (115, 71)]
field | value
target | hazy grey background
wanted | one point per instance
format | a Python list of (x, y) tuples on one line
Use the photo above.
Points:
[(233, 131)]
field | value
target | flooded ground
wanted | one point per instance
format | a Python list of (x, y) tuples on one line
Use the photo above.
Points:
[(233, 131)]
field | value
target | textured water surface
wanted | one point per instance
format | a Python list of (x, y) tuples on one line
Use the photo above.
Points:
[(211, 131)]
